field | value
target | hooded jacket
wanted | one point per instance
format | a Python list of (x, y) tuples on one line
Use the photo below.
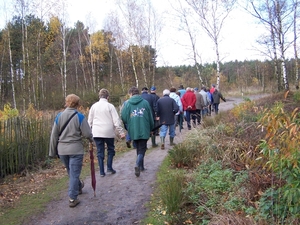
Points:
[(137, 115)]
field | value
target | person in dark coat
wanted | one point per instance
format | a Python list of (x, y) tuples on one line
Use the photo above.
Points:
[(166, 110), (156, 121), (216, 98), (152, 102)]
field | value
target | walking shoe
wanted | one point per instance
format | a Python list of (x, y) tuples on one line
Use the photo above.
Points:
[(112, 171), (137, 171), (73, 202), (142, 169), (102, 175), (162, 146), (154, 146), (81, 186), (128, 144)]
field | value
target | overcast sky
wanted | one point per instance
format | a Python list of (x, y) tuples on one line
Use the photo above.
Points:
[(239, 33)]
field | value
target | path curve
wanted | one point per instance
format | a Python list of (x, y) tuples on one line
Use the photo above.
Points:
[(120, 198)]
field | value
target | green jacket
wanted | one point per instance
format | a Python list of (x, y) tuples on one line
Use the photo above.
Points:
[(137, 115)]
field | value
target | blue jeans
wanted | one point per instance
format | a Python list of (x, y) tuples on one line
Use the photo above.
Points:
[(164, 130), (204, 111), (100, 144), (73, 164)]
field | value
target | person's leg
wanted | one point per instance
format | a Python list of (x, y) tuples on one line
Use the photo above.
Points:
[(75, 164), (217, 108), (198, 112), (100, 154), (162, 134), (188, 119), (141, 150), (172, 134), (65, 160), (194, 117), (110, 142)]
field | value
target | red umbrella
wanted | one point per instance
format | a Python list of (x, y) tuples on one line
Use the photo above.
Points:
[(92, 168)]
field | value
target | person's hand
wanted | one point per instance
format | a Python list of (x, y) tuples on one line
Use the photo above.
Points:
[(122, 136)]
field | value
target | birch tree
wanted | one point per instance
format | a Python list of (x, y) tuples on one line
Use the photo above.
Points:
[(212, 15), (113, 25), (295, 30), (278, 16), (189, 28), (12, 73)]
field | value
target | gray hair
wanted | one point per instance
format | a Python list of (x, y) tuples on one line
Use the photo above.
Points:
[(166, 92)]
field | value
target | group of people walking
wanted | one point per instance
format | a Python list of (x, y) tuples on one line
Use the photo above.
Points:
[(144, 115)]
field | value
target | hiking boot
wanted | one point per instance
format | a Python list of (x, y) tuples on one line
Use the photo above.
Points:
[(112, 171), (142, 169), (154, 145), (162, 147), (81, 186), (73, 202), (128, 144), (137, 171)]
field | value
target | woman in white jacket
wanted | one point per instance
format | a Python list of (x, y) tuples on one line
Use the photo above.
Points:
[(104, 121)]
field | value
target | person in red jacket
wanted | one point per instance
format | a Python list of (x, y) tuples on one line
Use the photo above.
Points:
[(189, 105)]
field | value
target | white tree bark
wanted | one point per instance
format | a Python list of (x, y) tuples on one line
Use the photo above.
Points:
[(212, 15), (12, 75)]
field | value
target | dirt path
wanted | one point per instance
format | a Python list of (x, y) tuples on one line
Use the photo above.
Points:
[(120, 198)]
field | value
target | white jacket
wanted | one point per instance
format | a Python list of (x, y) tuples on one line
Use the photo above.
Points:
[(104, 120), (178, 102)]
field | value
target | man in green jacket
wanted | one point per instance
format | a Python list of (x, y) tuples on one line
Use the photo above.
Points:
[(137, 114)]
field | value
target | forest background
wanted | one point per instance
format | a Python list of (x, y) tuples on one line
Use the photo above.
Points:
[(43, 59)]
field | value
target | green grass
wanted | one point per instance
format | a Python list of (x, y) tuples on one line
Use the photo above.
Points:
[(29, 205), (33, 204)]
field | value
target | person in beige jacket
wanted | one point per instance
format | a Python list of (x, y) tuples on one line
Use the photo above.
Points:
[(105, 121)]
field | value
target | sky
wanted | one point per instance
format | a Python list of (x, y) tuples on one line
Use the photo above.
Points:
[(238, 42)]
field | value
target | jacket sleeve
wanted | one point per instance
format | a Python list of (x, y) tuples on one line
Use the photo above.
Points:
[(221, 96), (91, 117), (116, 121), (53, 139), (86, 130), (175, 107)]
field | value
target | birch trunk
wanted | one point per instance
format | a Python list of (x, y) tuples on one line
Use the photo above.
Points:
[(11, 72), (281, 47), (295, 45), (133, 67)]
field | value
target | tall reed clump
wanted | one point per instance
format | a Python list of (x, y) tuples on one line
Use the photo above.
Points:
[(280, 204), (24, 140)]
